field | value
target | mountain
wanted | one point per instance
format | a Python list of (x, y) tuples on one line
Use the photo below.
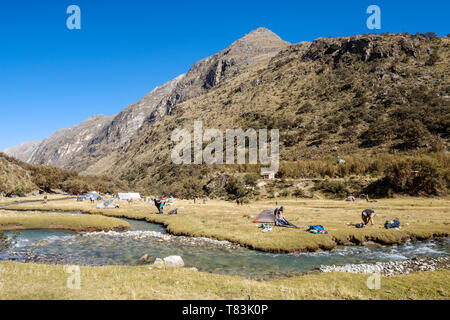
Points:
[(97, 141), (14, 179), (23, 152), (356, 97), (63, 148), (359, 96)]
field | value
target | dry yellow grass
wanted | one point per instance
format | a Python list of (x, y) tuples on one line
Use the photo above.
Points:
[(4, 200), (34, 281), (11, 220), (421, 219)]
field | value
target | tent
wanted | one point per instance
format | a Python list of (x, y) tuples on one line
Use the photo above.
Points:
[(106, 205), (129, 196), (266, 216), (93, 196), (282, 222)]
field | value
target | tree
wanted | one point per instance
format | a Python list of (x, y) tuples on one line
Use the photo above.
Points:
[(251, 179), (413, 134), (413, 176), (235, 188)]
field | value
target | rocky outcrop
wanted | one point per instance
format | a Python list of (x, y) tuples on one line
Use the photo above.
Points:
[(255, 49), (346, 51)]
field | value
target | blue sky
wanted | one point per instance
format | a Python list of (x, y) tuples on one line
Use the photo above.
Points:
[(52, 77)]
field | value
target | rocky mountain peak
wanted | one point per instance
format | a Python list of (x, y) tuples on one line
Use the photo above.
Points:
[(256, 42)]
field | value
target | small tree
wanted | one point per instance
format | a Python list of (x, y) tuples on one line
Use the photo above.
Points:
[(235, 188), (251, 179)]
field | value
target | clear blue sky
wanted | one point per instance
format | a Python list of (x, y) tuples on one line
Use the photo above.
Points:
[(52, 77)]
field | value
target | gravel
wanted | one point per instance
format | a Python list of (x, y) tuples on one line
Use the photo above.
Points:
[(393, 268)]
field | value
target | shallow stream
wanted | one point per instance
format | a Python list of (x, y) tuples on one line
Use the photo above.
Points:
[(125, 248)]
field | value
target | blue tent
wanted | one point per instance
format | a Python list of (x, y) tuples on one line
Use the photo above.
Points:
[(93, 196)]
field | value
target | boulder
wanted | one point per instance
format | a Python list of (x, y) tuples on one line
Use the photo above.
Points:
[(158, 261), (174, 261), (145, 258)]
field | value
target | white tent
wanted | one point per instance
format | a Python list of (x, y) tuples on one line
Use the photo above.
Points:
[(129, 196)]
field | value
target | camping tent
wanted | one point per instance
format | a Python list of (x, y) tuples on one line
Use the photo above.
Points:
[(129, 196), (106, 205), (266, 216), (93, 196)]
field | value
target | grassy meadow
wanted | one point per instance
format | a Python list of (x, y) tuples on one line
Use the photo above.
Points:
[(421, 218), (35, 281), (6, 200), (12, 221)]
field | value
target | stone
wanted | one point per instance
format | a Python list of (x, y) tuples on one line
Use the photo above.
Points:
[(158, 261), (145, 258), (174, 261)]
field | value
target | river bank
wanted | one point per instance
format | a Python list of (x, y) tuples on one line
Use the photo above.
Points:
[(207, 255), (20, 221), (421, 219), (393, 268)]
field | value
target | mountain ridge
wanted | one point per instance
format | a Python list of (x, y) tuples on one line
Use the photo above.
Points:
[(114, 133), (362, 95)]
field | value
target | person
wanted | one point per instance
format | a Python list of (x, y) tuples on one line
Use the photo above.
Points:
[(367, 216), (278, 213), (45, 200), (161, 206)]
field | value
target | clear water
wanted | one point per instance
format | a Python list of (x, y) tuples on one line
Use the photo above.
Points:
[(62, 247)]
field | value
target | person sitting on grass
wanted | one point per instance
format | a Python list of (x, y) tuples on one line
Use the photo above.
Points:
[(280, 220), (367, 216), (278, 213)]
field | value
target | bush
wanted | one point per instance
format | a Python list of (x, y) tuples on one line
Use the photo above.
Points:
[(411, 176), (235, 189), (251, 179), (335, 189), (285, 193), (299, 193)]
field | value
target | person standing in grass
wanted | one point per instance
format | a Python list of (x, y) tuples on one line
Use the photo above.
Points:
[(367, 216)]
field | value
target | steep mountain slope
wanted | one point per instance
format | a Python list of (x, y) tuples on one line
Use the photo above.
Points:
[(23, 152), (362, 95), (63, 148), (14, 178), (94, 144)]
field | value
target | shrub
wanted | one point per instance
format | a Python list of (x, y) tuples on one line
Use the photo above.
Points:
[(335, 189), (411, 176), (235, 188), (299, 193), (251, 179)]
